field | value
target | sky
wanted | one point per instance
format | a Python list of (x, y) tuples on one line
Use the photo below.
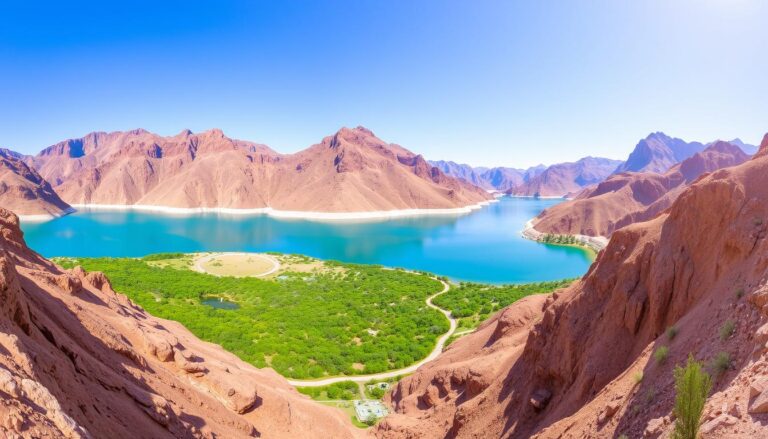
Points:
[(512, 83)]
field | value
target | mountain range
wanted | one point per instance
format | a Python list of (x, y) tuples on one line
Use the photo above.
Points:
[(656, 153), (631, 197), (350, 171)]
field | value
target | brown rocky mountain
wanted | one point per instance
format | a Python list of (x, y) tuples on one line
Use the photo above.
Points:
[(78, 360), (581, 363), (659, 152), (24, 191), (631, 197), (351, 171), (565, 179)]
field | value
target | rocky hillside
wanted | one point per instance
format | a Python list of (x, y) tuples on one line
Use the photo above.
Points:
[(24, 191), (566, 179), (631, 197), (583, 362), (658, 152), (349, 171), (78, 360)]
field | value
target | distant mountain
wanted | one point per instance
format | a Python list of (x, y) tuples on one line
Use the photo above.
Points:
[(463, 172), (657, 153), (350, 171), (566, 179), (631, 197), (493, 179), (746, 147), (24, 191)]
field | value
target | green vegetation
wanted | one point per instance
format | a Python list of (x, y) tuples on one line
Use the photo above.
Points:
[(472, 303), (726, 331), (346, 390), (721, 363), (550, 238), (347, 320), (692, 385), (661, 354), (376, 392), (671, 333), (638, 377)]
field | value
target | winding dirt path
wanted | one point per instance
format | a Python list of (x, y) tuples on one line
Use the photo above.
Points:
[(393, 373)]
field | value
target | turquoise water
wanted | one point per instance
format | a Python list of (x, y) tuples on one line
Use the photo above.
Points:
[(483, 246)]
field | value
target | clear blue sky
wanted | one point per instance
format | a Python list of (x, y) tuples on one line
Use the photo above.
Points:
[(484, 82)]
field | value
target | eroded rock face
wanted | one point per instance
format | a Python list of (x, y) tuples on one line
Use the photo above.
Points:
[(24, 191), (590, 346), (78, 360)]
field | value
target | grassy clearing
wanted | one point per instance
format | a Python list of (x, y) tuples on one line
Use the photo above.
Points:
[(303, 324)]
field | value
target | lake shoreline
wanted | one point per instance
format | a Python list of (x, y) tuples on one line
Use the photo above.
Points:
[(289, 214), (591, 243)]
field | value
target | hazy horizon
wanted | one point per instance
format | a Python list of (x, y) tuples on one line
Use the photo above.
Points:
[(487, 83)]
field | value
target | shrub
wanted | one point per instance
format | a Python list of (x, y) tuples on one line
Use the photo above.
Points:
[(671, 333), (721, 363), (739, 293), (650, 395), (623, 436), (638, 377), (726, 331), (692, 385), (661, 354)]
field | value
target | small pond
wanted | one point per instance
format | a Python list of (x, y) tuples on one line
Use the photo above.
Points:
[(219, 303)]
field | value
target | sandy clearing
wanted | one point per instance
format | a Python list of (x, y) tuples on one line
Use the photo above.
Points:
[(236, 264)]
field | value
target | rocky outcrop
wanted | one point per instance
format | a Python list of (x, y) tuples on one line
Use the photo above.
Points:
[(632, 197), (580, 363), (350, 171), (24, 191), (78, 360)]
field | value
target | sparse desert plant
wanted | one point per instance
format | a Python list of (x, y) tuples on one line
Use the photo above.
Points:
[(721, 363), (650, 394), (726, 331), (623, 436), (692, 385), (638, 377), (671, 333), (739, 293), (661, 354)]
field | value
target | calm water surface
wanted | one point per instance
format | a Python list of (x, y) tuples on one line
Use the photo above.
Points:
[(219, 303), (483, 246)]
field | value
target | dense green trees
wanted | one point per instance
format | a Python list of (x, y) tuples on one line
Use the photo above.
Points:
[(346, 390), (550, 238), (472, 303), (362, 319)]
